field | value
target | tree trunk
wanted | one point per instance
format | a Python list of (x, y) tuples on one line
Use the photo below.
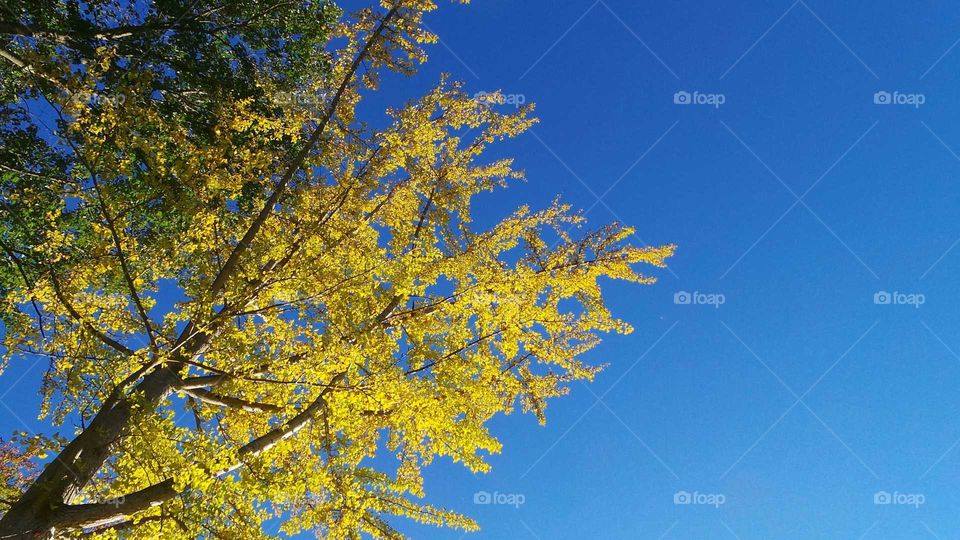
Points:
[(45, 504)]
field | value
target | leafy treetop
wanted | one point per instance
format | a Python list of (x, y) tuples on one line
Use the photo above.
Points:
[(245, 293)]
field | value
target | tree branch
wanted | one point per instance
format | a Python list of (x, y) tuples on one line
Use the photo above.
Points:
[(289, 428), (230, 402), (107, 513), (203, 381), (123, 349), (475, 341), (124, 264), (231, 263)]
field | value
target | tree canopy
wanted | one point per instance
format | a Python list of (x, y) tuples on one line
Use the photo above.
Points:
[(244, 292)]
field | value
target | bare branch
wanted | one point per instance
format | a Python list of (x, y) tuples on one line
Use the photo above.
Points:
[(230, 402), (289, 428)]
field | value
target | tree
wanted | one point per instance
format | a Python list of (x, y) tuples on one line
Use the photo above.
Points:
[(244, 292)]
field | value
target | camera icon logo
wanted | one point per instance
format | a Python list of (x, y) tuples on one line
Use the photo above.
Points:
[(482, 497), (682, 497), (882, 98), (682, 98), (682, 298), (882, 497), (882, 298)]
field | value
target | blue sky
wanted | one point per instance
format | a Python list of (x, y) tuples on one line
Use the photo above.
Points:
[(797, 202)]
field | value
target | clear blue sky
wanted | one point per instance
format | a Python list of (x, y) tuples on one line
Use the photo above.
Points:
[(799, 398), (798, 200)]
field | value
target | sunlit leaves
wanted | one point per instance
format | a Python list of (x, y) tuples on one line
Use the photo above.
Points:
[(368, 315)]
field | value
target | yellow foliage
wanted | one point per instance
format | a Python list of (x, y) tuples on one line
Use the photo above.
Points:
[(366, 289)]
